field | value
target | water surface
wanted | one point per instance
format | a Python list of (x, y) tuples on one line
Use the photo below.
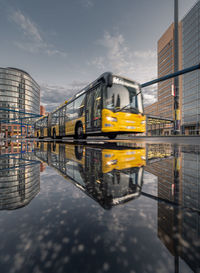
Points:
[(93, 208)]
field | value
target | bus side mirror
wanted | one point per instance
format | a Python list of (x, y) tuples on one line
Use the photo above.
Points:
[(109, 80)]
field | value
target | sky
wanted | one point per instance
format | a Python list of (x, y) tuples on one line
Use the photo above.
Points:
[(66, 44)]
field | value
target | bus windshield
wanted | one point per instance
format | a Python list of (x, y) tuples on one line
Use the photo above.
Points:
[(123, 98)]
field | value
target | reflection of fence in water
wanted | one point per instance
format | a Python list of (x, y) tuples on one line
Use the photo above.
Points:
[(159, 151)]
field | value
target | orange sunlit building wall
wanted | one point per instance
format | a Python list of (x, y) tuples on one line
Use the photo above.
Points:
[(164, 107), (42, 110)]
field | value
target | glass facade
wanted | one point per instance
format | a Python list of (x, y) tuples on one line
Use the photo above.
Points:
[(191, 81), (166, 66), (18, 91)]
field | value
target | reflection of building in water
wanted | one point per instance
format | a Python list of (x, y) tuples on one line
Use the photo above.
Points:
[(190, 222), (109, 176), (19, 180), (42, 167), (178, 228), (15, 147)]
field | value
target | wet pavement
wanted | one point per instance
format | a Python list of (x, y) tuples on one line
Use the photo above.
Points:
[(119, 207)]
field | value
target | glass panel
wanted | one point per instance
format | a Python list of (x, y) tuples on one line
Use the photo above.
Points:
[(70, 111), (55, 118)]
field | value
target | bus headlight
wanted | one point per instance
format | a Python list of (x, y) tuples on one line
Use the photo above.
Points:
[(112, 162), (143, 121), (112, 119)]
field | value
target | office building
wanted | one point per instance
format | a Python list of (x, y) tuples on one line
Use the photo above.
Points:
[(165, 67), (164, 107), (19, 94), (191, 81), (189, 84)]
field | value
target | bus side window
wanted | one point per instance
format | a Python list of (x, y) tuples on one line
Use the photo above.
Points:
[(55, 118), (97, 105), (69, 111), (89, 104), (79, 106), (82, 106)]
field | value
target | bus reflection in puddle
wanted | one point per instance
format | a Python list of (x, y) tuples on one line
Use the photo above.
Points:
[(110, 176)]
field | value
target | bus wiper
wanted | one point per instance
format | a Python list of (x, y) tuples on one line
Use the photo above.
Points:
[(132, 108), (120, 109)]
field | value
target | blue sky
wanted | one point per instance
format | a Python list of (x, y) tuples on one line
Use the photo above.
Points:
[(65, 44)]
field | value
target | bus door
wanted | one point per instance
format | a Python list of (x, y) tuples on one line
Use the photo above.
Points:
[(93, 109), (62, 122), (42, 131), (49, 125)]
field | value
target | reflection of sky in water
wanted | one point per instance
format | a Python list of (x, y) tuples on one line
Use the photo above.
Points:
[(63, 230)]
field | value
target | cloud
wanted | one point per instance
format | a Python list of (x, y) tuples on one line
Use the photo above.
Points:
[(27, 26), (87, 3), (98, 62), (145, 54), (52, 52), (150, 94), (51, 101), (33, 41), (119, 58), (139, 65), (116, 52)]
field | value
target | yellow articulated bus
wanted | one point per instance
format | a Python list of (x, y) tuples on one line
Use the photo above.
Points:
[(110, 176), (109, 106)]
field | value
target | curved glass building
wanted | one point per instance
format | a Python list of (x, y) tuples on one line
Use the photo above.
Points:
[(19, 92)]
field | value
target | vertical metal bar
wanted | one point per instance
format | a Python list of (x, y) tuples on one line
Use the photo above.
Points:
[(176, 67), (146, 125), (21, 127), (147, 152)]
